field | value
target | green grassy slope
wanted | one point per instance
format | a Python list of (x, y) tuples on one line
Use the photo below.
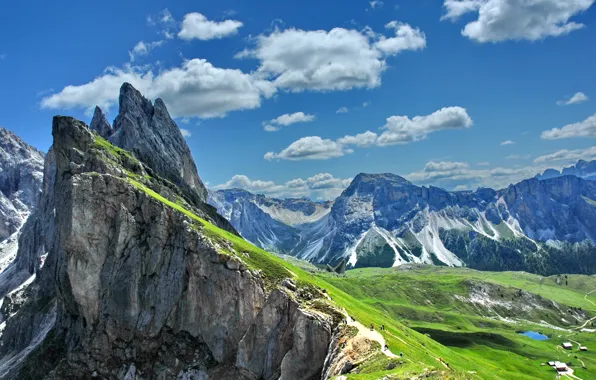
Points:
[(474, 346), (424, 299)]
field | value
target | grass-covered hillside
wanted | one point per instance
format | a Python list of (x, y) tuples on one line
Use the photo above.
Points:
[(479, 315), (448, 323)]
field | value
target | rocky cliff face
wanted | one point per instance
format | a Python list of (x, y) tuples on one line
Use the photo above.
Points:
[(140, 282), (385, 220), (21, 174), (147, 129)]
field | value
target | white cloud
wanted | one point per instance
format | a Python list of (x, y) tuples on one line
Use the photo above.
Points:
[(402, 129), (397, 130), (518, 156), (365, 104), (459, 175), (319, 60), (287, 119), (196, 88), (568, 156), (406, 38), (444, 166), (483, 163), (270, 128), (586, 128), (296, 117), (376, 4), (342, 110), (196, 26), (319, 186), (143, 48), (185, 132), (310, 148), (365, 139), (501, 20), (507, 142), (578, 97), (454, 9)]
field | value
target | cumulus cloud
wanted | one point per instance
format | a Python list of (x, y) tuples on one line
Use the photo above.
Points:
[(338, 59), (342, 110), (460, 175), (367, 138), (501, 20), (397, 130), (586, 128), (196, 88), (143, 48), (196, 26), (319, 186), (185, 132), (568, 156), (507, 142), (296, 117), (442, 166), (287, 119), (310, 148), (406, 38), (578, 97), (402, 129)]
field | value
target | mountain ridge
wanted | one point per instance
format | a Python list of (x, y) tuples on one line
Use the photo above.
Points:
[(406, 223)]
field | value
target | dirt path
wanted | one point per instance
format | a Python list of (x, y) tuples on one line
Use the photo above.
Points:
[(372, 335), (586, 297), (591, 319)]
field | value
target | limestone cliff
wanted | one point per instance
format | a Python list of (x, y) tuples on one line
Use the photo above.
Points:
[(141, 281)]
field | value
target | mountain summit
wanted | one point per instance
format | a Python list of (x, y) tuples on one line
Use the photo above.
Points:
[(385, 220), (149, 132)]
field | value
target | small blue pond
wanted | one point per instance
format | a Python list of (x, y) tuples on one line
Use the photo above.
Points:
[(534, 335)]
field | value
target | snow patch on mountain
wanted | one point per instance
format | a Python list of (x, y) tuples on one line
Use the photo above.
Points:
[(294, 217)]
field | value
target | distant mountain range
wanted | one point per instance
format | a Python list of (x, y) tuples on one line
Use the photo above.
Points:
[(545, 225), (583, 169)]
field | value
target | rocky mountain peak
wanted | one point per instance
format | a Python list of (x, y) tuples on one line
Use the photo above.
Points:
[(365, 183), (100, 123), (583, 169), (149, 132), (21, 176)]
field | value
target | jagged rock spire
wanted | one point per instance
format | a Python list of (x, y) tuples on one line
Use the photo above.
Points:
[(100, 123), (148, 130)]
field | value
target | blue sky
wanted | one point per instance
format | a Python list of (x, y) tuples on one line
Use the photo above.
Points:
[(431, 88)]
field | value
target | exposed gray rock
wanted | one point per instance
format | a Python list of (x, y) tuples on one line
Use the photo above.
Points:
[(385, 220), (148, 130), (141, 291), (284, 342), (21, 175), (100, 123), (583, 169), (241, 209)]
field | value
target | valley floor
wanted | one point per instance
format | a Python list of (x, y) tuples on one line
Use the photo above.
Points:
[(465, 324)]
